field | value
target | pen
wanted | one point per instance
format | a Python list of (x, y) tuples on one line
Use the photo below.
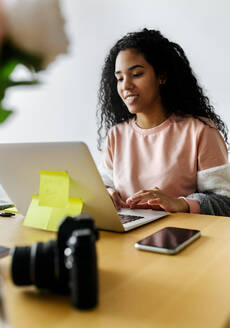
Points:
[(7, 214)]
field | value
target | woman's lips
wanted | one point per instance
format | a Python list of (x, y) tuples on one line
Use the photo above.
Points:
[(131, 99)]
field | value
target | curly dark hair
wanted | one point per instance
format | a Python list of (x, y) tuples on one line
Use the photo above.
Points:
[(180, 94)]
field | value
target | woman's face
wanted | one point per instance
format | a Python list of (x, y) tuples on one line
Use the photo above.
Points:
[(137, 83)]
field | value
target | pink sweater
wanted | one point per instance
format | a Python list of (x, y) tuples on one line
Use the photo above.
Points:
[(168, 156)]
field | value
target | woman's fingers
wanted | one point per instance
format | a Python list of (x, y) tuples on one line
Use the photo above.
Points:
[(170, 204), (143, 196), (154, 199), (117, 201), (158, 202), (145, 199), (140, 196), (146, 206), (120, 203)]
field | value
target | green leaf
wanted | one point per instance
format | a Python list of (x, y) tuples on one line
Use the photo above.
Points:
[(4, 114), (7, 69), (10, 56), (2, 91)]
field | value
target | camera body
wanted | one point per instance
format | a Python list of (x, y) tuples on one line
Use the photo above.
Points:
[(65, 265)]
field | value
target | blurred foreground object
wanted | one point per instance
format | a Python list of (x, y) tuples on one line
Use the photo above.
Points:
[(31, 34)]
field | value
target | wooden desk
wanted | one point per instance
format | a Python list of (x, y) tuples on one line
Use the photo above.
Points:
[(137, 289)]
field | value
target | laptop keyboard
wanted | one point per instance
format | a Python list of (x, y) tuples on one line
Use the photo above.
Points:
[(129, 218)]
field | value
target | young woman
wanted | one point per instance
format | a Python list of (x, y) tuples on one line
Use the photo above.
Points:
[(166, 146)]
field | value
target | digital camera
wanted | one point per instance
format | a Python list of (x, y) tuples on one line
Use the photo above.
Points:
[(65, 265)]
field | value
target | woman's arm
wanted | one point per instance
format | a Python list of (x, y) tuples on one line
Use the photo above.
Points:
[(209, 202)]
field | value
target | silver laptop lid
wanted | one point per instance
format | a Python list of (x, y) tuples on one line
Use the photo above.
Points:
[(20, 165)]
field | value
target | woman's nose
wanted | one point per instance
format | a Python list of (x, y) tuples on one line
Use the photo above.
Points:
[(127, 84)]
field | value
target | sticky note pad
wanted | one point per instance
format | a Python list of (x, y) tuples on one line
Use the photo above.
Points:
[(54, 188), (37, 216), (53, 204), (49, 218), (74, 208)]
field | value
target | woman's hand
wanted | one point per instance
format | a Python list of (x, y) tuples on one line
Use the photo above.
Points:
[(156, 199), (117, 201)]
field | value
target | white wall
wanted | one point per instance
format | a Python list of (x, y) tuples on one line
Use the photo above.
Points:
[(64, 106)]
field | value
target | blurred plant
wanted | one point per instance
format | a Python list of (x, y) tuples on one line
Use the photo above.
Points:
[(31, 34)]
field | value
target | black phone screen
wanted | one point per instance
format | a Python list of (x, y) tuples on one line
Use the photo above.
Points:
[(169, 237)]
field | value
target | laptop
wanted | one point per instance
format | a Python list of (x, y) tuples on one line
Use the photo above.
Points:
[(20, 165)]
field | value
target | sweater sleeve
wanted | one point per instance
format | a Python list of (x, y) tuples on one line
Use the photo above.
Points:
[(211, 203), (213, 195), (213, 176)]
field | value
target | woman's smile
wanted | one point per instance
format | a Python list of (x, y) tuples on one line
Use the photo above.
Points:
[(131, 99)]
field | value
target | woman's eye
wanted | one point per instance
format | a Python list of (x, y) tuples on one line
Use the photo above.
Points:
[(137, 74), (121, 78)]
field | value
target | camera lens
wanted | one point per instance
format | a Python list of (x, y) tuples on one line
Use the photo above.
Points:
[(35, 265), (20, 267)]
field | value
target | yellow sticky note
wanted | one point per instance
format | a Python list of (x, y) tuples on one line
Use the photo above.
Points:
[(53, 204), (54, 188), (74, 208), (47, 217), (37, 216)]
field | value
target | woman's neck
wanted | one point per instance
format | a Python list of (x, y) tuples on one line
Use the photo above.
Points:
[(148, 121)]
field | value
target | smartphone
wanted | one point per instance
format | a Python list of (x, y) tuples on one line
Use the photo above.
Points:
[(169, 240)]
